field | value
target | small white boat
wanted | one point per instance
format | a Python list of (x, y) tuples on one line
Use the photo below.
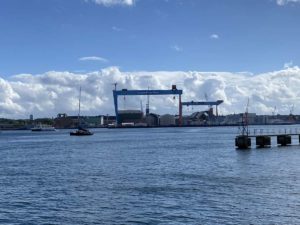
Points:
[(43, 127)]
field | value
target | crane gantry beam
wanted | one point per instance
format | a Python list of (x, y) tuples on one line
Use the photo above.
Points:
[(123, 92), (209, 103)]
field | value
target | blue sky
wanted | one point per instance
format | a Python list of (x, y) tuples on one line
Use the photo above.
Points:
[(148, 35)]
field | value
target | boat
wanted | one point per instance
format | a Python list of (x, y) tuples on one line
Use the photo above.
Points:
[(80, 131), (43, 127)]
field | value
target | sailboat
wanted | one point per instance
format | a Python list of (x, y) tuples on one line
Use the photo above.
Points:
[(80, 131)]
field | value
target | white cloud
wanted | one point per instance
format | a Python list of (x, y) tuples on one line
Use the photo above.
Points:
[(176, 48), (8, 99), (214, 36), (288, 65), (93, 58), (113, 2), (285, 2), (55, 92)]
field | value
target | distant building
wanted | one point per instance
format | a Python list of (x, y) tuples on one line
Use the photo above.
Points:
[(92, 121), (62, 115), (152, 120), (196, 119), (62, 122), (107, 119), (251, 117), (130, 116), (167, 120)]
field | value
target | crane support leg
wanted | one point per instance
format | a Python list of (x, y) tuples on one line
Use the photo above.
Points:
[(116, 107), (180, 111)]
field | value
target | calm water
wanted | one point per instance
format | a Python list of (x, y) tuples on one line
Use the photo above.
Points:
[(146, 176)]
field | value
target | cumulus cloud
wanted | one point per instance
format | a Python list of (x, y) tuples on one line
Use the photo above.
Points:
[(285, 2), (113, 2), (214, 36), (93, 58), (57, 92), (9, 98)]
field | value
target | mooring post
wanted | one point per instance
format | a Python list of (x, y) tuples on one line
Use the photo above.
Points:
[(243, 142), (263, 141), (284, 139)]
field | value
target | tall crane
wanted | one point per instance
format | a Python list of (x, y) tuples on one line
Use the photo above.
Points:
[(115, 84), (274, 111), (206, 98), (147, 104), (292, 110), (210, 107), (125, 92)]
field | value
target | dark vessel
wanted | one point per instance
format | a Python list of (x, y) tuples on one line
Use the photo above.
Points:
[(80, 131)]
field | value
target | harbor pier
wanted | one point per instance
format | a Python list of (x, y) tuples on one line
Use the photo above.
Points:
[(263, 137)]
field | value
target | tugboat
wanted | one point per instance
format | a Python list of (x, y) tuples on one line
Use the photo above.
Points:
[(80, 131)]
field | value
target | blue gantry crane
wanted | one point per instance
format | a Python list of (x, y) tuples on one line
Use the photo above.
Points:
[(209, 103), (124, 92)]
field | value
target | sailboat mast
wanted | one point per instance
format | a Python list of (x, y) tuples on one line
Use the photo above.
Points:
[(79, 107)]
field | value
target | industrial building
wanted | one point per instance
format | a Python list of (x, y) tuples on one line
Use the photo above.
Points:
[(152, 120), (130, 116), (167, 120), (63, 121)]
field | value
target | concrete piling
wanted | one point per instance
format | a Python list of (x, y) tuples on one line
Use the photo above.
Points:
[(243, 142), (284, 139), (263, 141)]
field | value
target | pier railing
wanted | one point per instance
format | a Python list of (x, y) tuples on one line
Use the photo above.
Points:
[(263, 137), (273, 132)]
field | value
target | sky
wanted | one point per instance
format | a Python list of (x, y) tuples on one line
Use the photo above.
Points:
[(206, 35), (55, 44)]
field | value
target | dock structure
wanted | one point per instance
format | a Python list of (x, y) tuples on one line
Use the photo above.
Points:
[(263, 137)]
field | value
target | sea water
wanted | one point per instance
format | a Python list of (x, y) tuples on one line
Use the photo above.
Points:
[(146, 176)]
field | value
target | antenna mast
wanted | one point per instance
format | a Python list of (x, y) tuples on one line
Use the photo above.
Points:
[(245, 130), (79, 106)]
